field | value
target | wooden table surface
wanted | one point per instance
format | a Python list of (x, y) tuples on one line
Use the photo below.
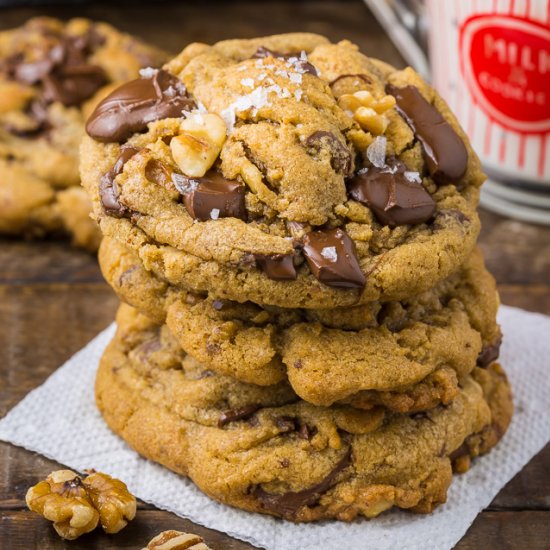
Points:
[(53, 299)]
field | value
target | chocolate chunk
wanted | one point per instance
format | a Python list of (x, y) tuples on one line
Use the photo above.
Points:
[(63, 70), (72, 85), (287, 505), (291, 424), (365, 78), (157, 172), (305, 432), (279, 267), (393, 198), (301, 64), (33, 72), (444, 151), (460, 452), (331, 257), (37, 112), (286, 424), (212, 197), (489, 353), (108, 190), (233, 415), (339, 153), (133, 105)]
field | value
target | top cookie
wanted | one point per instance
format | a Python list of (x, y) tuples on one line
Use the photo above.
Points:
[(52, 74), (285, 170)]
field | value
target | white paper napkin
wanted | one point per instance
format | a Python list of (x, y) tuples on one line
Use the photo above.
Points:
[(60, 421)]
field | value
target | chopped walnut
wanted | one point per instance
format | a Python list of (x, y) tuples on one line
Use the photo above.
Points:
[(367, 110), (77, 504), (63, 499), (176, 540)]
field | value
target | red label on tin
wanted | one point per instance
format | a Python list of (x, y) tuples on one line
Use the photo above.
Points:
[(506, 63)]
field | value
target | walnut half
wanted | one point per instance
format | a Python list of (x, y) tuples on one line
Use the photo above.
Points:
[(77, 504), (176, 540)]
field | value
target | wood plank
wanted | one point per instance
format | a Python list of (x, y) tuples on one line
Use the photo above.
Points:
[(508, 531), (515, 252), (45, 261), (502, 530), (530, 297), (27, 530), (42, 326), (177, 24)]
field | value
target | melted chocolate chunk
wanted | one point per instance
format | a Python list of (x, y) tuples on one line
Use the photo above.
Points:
[(63, 70), (289, 424), (444, 151), (157, 172), (232, 415), (287, 505), (279, 267), (302, 64), (393, 198), (339, 153), (72, 85), (489, 353), (331, 257), (108, 190), (37, 111), (365, 78), (133, 105), (213, 196), (460, 452)]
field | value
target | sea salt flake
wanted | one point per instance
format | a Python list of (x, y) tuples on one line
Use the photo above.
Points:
[(261, 77), (242, 68), (214, 213), (148, 72), (376, 152), (412, 176), (329, 253), (295, 78), (298, 95), (170, 91), (248, 82), (201, 108), (183, 184), (195, 116)]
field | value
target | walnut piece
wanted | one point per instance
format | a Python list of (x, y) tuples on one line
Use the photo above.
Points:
[(176, 540), (199, 143), (111, 498), (62, 498), (77, 504), (367, 110)]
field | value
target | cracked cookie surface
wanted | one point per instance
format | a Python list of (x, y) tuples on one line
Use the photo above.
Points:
[(331, 187), (262, 450), (51, 76), (406, 356)]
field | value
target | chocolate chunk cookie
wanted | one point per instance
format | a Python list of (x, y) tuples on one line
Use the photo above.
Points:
[(407, 356), (52, 74), (263, 450), (286, 171)]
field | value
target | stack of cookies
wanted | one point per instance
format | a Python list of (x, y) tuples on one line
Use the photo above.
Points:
[(309, 331), (52, 74)]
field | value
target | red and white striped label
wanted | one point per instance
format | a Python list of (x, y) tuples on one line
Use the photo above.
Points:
[(491, 62)]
